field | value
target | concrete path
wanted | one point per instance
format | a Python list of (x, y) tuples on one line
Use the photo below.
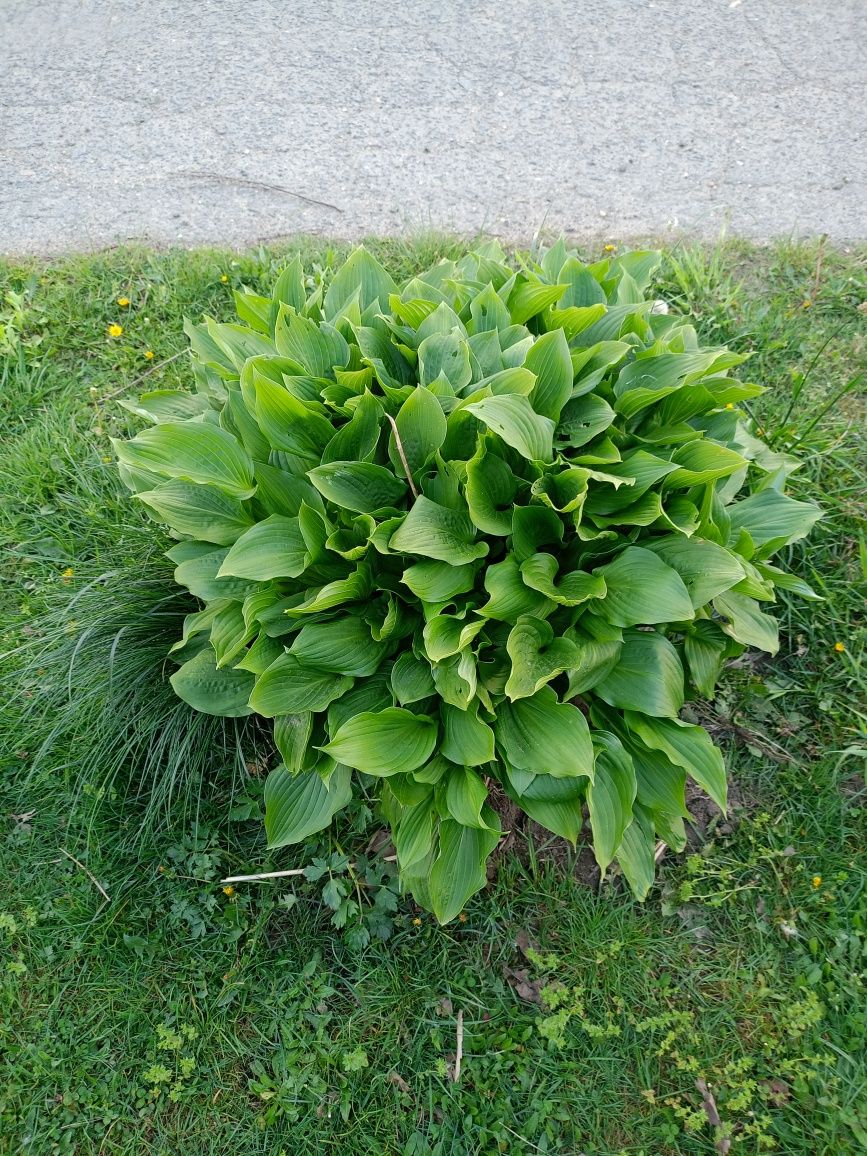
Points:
[(189, 122)]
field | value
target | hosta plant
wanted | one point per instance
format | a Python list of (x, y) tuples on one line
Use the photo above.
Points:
[(475, 538)]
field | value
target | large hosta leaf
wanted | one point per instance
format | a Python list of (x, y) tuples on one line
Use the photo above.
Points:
[(191, 452), (547, 737), (436, 531), (344, 646), (299, 805), (359, 486), (458, 871), (518, 424), (536, 656), (273, 548), (642, 590), (205, 688), (610, 796), (290, 687), (647, 676), (200, 511), (387, 742), (688, 746)]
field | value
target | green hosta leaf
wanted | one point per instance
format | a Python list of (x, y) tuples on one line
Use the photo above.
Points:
[(488, 312), (344, 646), (297, 806), (465, 796), (279, 492), (703, 461), (414, 833), (642, 590), (202, 512), (582, 419), (746, 623), (352, 589), (289, 687), (289, 286), (357, 440), (687, 746), (647, 677), (610, 796), (289, 423), (411, 679), (636, 854), (528, 298), (598, 645), (510, 597), (230, 634), (540, 571), (360, 273), (458, 871), (491, 487), (444, 360), (547, 737), (466, 739), (421, 426), (161, 405), (437, 532), (316, 348), (456, 679), (537, 657), (438, 581), (199, 574), (706, 647), (772, 519), (550, 360), (191, 452), (388, 742), (292, 733), (532, 527), (445, 635), (205, 688), (518, 424), (273, 548), (706, 569), (371, 694), (359, 486), (565, 491)]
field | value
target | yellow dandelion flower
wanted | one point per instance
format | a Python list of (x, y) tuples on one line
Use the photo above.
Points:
[(149, 355), (123, 302), (806, 304), (839, 647), (416, 922), (225, 279), (115, 330), (230, 891), (68, 574), (610, 248), (817, 880), (730, 405)]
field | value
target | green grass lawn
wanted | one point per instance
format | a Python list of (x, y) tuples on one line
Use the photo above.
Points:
[(145, 1009)]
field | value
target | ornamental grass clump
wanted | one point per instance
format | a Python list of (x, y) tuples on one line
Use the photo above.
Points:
[(474, 537)]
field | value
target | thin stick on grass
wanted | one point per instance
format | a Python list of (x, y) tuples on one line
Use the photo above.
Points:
[(89, 874), (403, 460), (283, 874), (137, 380), (459, 1046)]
